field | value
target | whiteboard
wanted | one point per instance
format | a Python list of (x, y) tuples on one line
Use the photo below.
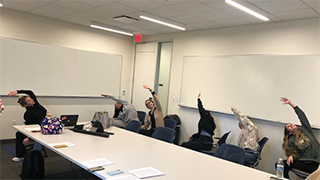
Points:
[(254, 84), (57, 71)]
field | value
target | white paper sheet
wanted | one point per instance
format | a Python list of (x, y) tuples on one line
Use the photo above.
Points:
[(96, 162), (125, 177), (146, 172), (33, 128)]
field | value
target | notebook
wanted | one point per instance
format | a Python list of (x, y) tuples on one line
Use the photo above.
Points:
[(70, 121)]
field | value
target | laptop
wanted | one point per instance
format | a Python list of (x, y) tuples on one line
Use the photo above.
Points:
[(71, 120)]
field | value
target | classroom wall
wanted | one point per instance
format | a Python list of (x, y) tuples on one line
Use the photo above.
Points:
[(22, 26), (292, 37)]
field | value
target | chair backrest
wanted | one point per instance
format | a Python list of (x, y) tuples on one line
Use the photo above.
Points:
[(170, 123), (231, 153), (262, 142), (223, 138), (141, 116), (133, 126), (164, 133)]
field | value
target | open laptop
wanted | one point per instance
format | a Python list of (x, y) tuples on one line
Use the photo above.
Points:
[(71, 120)]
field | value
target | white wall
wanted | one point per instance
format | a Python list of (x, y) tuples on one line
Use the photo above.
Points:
[(41, 30), (293, 37)]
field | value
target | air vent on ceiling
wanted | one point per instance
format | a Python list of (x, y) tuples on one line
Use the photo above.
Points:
[(125, 19)]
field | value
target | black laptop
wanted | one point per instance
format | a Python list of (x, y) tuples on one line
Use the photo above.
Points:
[(70, 121)]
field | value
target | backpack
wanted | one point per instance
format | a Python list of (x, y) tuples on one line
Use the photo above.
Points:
[(33, 165), (51, 126)]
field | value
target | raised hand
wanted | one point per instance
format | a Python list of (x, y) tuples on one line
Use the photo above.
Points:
[(199, 95), (285, 100), (12, 93)]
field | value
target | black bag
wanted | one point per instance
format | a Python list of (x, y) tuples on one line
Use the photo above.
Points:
[(33, 165)]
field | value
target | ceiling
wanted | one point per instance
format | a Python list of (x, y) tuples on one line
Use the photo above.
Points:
[(191, 14)]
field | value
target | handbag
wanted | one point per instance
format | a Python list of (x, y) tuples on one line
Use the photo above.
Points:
[(51, 125), (103, 118)]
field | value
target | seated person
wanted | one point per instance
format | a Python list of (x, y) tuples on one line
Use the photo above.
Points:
[(154, 117), (34, 114), (248, 137), (300, 144), (202, 140), (124, 112)]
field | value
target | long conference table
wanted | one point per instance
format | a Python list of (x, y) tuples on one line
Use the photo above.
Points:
[(130, 151)]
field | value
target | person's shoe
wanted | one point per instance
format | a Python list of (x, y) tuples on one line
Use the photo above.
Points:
[(17, 159)]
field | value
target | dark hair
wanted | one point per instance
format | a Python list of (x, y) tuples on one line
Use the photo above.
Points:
[(149, 99), (22, 100)]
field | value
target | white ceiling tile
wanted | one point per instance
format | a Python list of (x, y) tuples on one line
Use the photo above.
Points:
[(170, 2), (280, 6), (191, 7), (217, 4), (231, 22), (213, 15), (140, 4), (165, 12), (297, 14), (188, 19), (201, 26), (119, 8), (25, 6), (52, 11)]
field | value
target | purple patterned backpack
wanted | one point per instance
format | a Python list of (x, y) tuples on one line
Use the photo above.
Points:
[(51, 125)]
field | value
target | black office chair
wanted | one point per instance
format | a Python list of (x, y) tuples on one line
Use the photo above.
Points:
[(141, 116), (300, 173), (231, 153), (253, 164), (215, 146), (133, 126), (164, 133), (170, 123)]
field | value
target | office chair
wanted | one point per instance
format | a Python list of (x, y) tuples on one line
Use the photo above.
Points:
[(300, 173), (253, 164), (231, 153), (215, 146), (164, 133), (141, 116), (133, 126), (170, 123)]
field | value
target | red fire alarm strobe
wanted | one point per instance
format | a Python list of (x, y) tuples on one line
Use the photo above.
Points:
[(137, 37)]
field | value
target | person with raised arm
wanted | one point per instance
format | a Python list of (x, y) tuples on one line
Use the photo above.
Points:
[(34, 114), (154, 117), (202, 140), (300, 144), (123, 112), (248, 138)]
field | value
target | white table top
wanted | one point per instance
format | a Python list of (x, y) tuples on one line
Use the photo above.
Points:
[(130, 151)]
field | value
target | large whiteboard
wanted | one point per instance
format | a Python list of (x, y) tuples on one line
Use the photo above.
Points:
[(57, 71), (254, 84)]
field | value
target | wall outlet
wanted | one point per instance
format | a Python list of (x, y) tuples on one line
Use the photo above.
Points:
[(14, 122), (123, 92)]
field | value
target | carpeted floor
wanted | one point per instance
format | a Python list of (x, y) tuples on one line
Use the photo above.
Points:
[(56, 167)]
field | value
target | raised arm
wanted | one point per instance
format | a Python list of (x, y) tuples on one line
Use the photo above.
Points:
[(245, 121), (119, 100), (200, 106), (301, 115), (155, 97), (285, 100), (28, 92)]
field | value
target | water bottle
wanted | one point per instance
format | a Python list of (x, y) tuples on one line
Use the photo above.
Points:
[(280, 167)]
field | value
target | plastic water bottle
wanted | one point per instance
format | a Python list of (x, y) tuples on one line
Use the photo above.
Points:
[(280, 167)]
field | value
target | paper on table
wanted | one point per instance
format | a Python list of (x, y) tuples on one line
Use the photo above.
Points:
[(126, 177), (96, 162), (33, 128), (69, 144), (146, 172)]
